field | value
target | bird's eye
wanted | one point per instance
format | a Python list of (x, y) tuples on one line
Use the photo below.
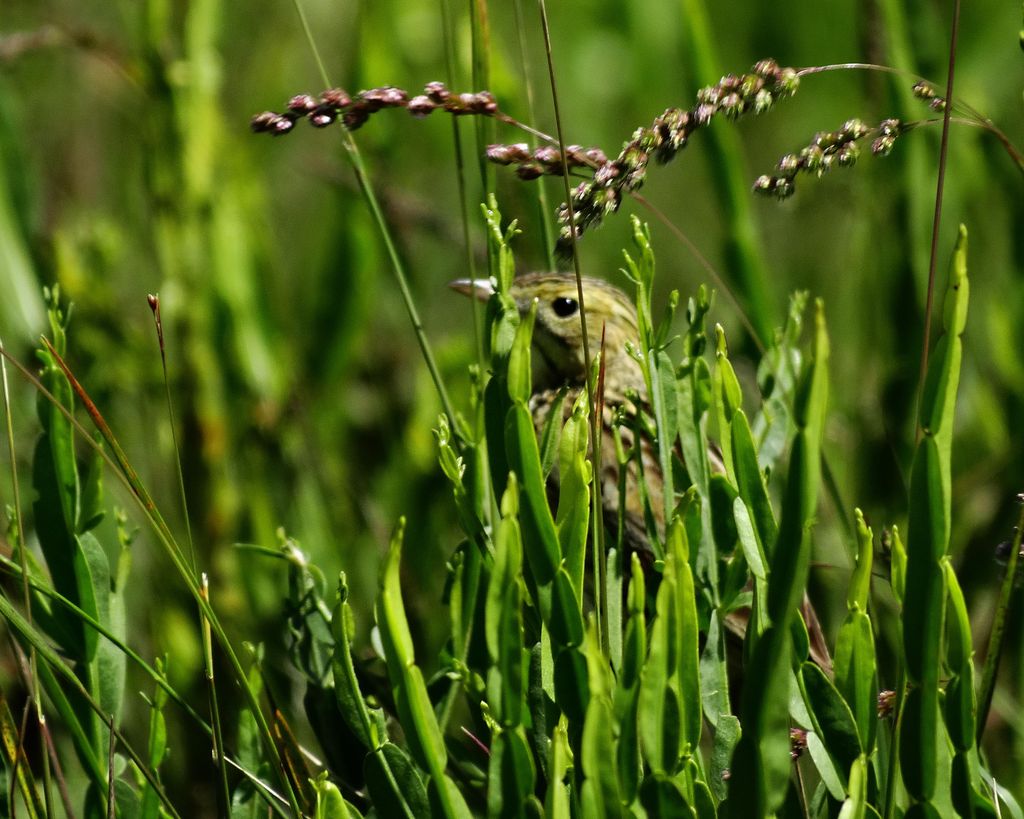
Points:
[(564, 307)]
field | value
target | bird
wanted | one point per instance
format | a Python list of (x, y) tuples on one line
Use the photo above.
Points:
[(558, 364)]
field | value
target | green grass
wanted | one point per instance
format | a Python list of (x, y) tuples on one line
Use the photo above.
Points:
[(301, 394)]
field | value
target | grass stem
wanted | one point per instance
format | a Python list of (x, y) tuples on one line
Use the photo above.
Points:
[(596, 425)]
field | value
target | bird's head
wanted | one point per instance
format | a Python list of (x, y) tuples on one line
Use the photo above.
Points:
[(558, 333)]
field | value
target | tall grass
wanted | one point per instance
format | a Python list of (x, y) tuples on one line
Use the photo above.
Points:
[(303, 402)]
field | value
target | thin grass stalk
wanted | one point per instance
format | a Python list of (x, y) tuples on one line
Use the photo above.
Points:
[(20, 771), (800, 792), (218, 738), (118, 462), (274, 800), (601, 566), (154, 304), (111, 800), (218, 731), (53, 661), (171, 547), (731, 181), (16, 492), (543, 206), (597, 519), (480, 34), (939, 187), (140, 763), (460, 178), (901, 56), (443, 710), (44, 732), (362, 177), (892, 775), (134, 483), (54, 760), (19, 746), (399, 270), (997, 637), (218, 734), (99, 628), (83, 729), (26, 594)]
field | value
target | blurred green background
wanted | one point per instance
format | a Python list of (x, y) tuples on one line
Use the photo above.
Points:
[(127, 168)]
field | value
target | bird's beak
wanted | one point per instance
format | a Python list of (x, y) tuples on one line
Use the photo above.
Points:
[(481, 289)]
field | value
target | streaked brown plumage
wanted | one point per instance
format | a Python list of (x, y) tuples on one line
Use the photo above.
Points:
[(558, 362)]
